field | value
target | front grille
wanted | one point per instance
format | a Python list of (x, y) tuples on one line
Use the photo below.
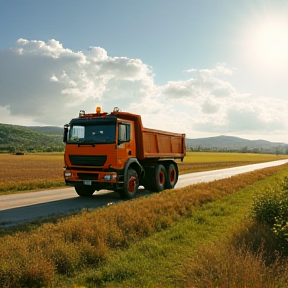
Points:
[(88, 160), (87, 176)]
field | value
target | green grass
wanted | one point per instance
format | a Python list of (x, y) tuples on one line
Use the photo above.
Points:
[(146, 242), (164, 259)]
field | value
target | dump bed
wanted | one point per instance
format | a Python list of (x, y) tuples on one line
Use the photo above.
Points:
[(160, 144), (151, 143)]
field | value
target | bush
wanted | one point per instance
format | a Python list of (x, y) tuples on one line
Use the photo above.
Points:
[(271, 207), (280, 227), (266, 206)]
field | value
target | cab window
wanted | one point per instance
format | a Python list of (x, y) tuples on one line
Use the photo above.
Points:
[(124, 132)]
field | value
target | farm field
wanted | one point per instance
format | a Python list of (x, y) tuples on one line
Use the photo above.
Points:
[(204, 161), (197, 236), (20, 173)]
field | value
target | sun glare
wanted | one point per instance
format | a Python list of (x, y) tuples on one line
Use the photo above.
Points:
[(267, 41)]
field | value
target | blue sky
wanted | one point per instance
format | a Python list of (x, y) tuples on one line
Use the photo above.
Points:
[(204, 68)]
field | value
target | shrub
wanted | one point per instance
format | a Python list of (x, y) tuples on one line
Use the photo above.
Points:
[(266, 206), (271, 207), (280, 227)]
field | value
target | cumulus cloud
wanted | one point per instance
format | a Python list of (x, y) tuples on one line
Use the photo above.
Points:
[(46, 81), (204, 83), (46, 84)]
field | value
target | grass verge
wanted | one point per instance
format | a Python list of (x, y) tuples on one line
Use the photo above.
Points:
[(217, 246), (39, 257)]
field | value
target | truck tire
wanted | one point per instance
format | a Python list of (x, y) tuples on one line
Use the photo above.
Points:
[(155, 178), (172, 176), (131, 184), (84, 191), (160, 178)]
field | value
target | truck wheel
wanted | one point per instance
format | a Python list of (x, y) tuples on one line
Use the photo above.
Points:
[(172, 176), (131, 184), (84, 191), (155, 178), (160, 177)]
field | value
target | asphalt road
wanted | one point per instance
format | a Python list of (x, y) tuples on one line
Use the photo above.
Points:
[(19, 208)]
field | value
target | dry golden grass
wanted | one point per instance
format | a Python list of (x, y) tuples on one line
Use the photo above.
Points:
[(33, 259), (29, 172), (249, 258), (222, 265)]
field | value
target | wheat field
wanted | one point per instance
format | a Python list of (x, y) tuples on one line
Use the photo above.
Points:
[(30, 172)]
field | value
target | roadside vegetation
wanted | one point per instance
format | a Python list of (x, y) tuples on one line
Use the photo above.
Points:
[(20, 173), (198, 236), (271, 208)]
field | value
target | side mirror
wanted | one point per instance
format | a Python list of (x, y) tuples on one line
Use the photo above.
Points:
[(65, 134)]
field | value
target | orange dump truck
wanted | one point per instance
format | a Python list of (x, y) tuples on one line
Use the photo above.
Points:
[(115, 152)]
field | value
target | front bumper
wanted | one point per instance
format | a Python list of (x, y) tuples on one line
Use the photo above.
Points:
[(98, 179)]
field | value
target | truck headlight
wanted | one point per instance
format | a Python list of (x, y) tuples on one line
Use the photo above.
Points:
[(110, 177), (67, 173)]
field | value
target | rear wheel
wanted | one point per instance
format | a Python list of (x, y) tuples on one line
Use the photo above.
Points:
[(131, 184), (172, 176), (160, 178), (155, 178), (84, 191)]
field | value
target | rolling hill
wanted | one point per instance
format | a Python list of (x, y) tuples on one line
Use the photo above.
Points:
[(50, 130), (235, 144), (15, 138), (49, 138)]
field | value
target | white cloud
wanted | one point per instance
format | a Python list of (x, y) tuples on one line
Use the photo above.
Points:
[(204, 84), (209, 107), (47, 84)]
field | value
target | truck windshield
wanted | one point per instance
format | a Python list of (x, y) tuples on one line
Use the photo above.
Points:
[(96, 133)]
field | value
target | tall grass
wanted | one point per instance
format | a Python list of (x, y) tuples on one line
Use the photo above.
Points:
[(35, 258), (223, 265), (170, 258)]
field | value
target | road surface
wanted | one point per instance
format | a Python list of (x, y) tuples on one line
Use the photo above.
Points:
[(19, 208)]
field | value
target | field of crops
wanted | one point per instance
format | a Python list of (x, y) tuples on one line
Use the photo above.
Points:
[(204, 161), (41, 171), (30, 172)]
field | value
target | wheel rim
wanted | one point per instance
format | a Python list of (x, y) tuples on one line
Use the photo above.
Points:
[(132, 184), (161, 178), (172, 176)]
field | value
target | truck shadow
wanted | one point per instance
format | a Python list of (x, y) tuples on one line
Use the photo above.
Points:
[(21, 215)]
